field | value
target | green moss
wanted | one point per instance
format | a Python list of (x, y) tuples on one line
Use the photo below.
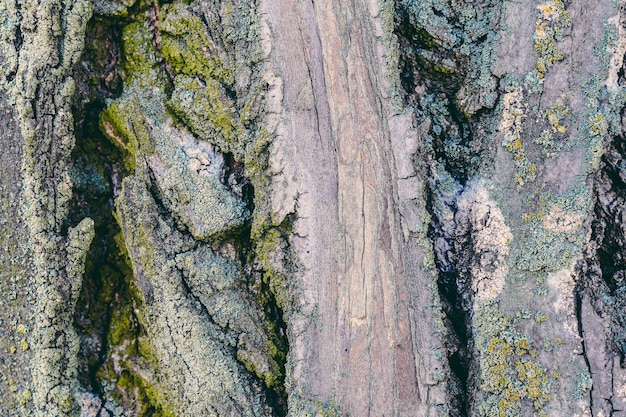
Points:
[(122, 326), (187, 48), (148, 401), (142, 60), (266, 249), (205, 108), (123, 124)]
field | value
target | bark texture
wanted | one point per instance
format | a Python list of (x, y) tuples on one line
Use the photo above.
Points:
[(312, 208)]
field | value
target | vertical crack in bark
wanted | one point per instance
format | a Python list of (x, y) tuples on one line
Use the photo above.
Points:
[(441, 205), (605, 273), (450, 290), (602, 277), (441, 84), (581, 333), (106, 300)]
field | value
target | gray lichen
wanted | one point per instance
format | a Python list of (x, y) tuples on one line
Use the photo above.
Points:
[(42, 90), (193, 353)]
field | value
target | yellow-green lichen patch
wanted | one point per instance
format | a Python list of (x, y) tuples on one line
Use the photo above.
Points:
[(551, 22), (555, 114), (301, 407), (510, 374), (599, 121), (511, 126), (551, 140), (187, 48)]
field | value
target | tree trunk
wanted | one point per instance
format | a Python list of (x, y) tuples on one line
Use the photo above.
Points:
[(324, 208)]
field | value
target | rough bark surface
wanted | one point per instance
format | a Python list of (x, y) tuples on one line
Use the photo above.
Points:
[(312, 208)]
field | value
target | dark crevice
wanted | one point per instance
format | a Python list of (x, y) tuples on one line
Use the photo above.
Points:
[(456, 310), (603, 274), (233, 177), (621, 76), (260, 286), (433, 75), (104, 314), (450, 137), (17, 44), (581, 334), (19, 39)]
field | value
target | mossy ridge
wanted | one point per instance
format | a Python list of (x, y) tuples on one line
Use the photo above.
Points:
[(125, 127), (208, 107), (205, 108), (188, 49), (127, 120), (127, 374), (130, 373), (270, 256), (121, 122), (143, 62), (217, 85)]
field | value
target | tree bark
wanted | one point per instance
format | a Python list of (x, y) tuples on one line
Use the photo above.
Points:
[(334, 207)]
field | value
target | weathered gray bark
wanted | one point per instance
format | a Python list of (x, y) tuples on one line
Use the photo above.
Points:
[(335, 207)]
